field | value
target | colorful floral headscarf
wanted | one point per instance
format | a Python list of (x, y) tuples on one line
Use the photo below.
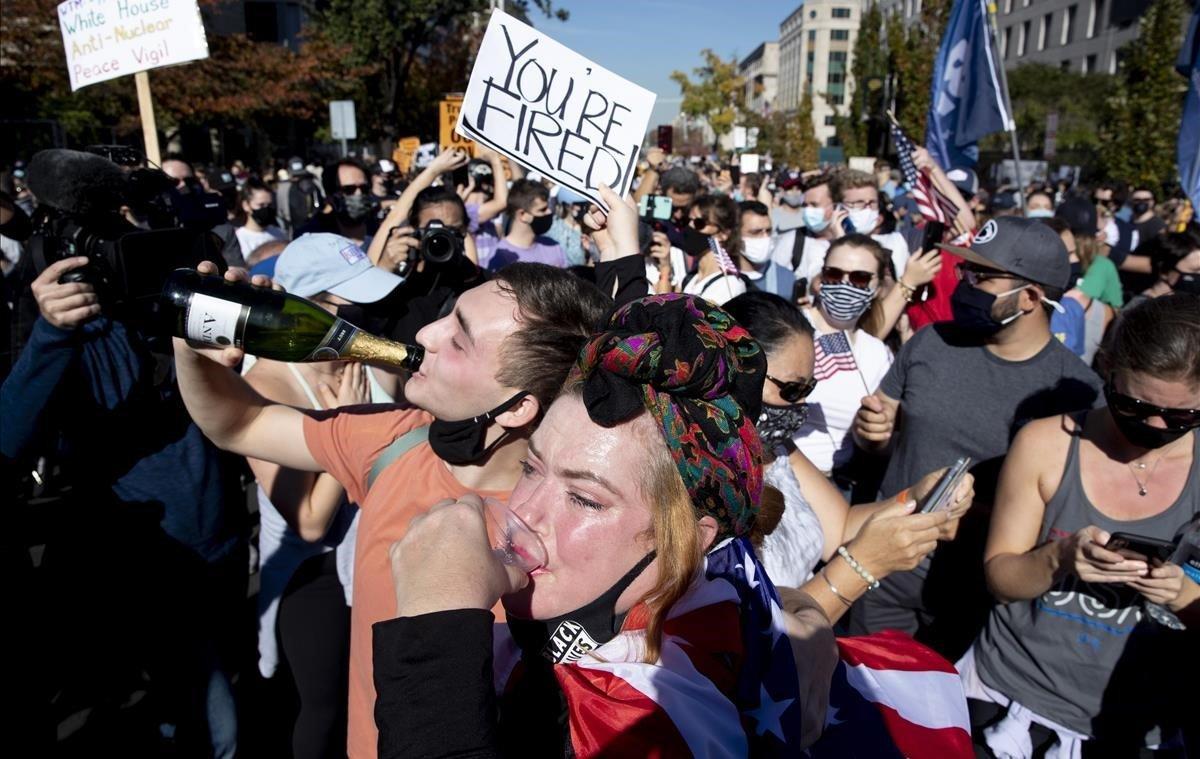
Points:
[(700, 374)]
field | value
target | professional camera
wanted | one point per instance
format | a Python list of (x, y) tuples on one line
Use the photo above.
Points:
[(80, 198), (439, 243)]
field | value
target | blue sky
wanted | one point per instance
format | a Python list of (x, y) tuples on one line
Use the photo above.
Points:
[(645, 40)]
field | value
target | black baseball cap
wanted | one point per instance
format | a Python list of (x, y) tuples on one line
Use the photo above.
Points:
[(1024, 248), (966, 180), (1079, 214)]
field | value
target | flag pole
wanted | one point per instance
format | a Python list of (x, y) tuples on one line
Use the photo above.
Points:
[(994, 51)]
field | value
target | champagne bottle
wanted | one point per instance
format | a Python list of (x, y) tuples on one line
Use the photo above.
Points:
[(272, 324)]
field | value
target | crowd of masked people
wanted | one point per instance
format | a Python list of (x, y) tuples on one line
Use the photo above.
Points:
[(722, 378)]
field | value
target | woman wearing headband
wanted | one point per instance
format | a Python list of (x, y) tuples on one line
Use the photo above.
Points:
[(651, 628)]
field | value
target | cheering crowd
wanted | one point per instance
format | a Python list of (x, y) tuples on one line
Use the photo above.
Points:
[(723, 405)]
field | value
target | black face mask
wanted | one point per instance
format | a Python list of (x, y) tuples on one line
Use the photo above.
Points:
[(1141, 434), (263, 217), (694, 243), (353, 313), (541, 224), (567, 637), (972, 310), (1188, 283), (777, 425), (354, 208), (1076, 273), (1140, 208), (460, 443)]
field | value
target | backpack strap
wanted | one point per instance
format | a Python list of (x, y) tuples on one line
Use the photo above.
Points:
[(797, 247), (395, 450)]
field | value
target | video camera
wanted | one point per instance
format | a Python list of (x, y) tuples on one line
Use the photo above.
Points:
[(80, 196)]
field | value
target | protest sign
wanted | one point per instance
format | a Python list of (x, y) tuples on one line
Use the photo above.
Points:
[(105, 39), (405, 152), (448, 138), (551, 109), (748, 163)]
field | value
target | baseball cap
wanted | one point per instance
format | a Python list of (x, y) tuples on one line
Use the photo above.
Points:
[(790, 179), (1025, 248), (966, 180), (296, 167), (1079, 214), (322, 262), (570, 197)]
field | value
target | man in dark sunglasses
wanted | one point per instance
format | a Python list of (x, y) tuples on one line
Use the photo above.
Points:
[(963, 388), (350, 207)]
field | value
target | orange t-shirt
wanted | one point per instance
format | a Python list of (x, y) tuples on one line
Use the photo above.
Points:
[(346, 443)]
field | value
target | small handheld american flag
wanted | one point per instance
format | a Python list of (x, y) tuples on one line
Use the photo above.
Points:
[(833, 355), (931, 202)]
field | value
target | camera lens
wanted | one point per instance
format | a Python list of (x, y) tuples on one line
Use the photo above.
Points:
[(439, 245)]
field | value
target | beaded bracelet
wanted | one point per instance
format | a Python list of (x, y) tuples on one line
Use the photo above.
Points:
[(859, 569), (833, 589), (908, 292)]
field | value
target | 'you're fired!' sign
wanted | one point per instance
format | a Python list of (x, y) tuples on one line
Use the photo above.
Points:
[(105, 39), (551, 109)]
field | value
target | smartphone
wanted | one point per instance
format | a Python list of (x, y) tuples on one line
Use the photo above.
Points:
[(655, 207), (847, 225), (461, 177), (943, 492), (800, 290), (934, 232), (1151, 548)]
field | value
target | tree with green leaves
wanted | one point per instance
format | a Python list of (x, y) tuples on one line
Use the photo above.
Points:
[(717, 95), (1142, 116), (911, 53), (869, 65), (423, 49), (789, 139), (1038, 89)]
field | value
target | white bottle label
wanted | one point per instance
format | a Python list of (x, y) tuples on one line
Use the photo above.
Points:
[(215, 321)]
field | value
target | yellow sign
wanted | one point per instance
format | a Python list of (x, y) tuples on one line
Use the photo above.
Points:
[(449, 139), (404, 153)]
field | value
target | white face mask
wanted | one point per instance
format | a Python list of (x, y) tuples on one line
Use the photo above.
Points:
[(1039, 213), (864, 220), (756, 249)]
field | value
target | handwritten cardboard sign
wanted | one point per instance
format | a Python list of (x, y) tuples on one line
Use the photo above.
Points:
[(105, 39), (549, 108), (448, 138)]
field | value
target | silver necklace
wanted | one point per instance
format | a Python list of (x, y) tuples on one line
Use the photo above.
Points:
[(1135, 467)]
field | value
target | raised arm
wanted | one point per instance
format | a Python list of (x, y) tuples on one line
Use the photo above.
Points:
[(398, 215), (965, 220), (499, 201), (229, 412)]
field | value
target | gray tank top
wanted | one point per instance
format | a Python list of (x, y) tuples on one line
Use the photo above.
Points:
[(1082, 654)]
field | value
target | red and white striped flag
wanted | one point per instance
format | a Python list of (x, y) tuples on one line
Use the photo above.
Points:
[(931, 202)]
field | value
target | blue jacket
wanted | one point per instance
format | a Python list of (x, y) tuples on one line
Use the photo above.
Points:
[(123, 428)]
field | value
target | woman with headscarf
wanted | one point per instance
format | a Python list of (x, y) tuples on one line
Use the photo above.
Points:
[(652, 629)]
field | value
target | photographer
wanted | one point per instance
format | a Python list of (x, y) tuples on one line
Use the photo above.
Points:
[(147, 545)]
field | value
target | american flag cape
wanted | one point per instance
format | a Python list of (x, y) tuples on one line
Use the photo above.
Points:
[(725, 683), (893, 698), (833, 354)]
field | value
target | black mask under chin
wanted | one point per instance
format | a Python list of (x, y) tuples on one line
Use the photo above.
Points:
[(567, 637), (460, 443)]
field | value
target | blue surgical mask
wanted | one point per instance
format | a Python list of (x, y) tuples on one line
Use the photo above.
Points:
[(814, 218), (1039, 213)]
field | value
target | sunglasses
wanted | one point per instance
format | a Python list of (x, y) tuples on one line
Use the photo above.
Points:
[(1175, 418), (976, 277), (350, 189), (699, 223), (794, 391), (831, 275)]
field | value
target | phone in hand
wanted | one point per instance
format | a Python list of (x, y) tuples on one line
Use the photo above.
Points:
[(942, 494), (655, 207), (934, 232), (800, 290), (1152, 548), (847, 225)]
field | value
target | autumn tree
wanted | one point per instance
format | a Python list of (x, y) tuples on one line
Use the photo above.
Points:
[(717, 94), (241, 82), (1141, 118), (421, 49), (790, 139)]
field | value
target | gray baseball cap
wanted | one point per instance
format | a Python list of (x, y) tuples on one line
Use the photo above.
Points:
[(323, 262), (1025, 248)]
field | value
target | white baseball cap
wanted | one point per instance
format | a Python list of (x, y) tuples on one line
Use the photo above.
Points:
[(322, 262)]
